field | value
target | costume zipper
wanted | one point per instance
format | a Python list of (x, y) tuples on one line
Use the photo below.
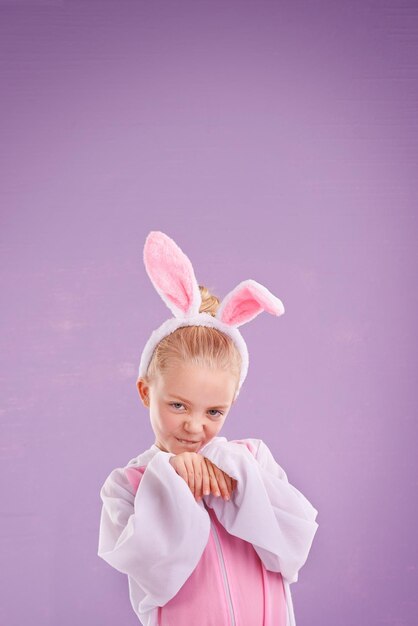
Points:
[(221, 559)]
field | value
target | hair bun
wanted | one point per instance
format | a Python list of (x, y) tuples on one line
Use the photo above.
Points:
[(210, 303)]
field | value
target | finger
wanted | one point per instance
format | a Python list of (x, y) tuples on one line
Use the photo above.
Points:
[(213, 482), (229, 484), (197, 476), (205, 478), (178, 463), (190, 473), (221, 482)]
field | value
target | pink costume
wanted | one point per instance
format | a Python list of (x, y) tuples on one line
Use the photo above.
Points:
[(213, 562)]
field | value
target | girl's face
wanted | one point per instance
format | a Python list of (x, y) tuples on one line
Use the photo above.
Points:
[(187, 403)]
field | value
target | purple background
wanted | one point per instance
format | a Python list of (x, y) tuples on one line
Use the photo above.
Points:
[(272, 140)]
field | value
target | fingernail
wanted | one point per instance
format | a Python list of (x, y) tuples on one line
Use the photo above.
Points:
[(206, 493), (227, 497)]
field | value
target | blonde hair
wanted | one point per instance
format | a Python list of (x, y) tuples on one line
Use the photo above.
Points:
[(202, 346)]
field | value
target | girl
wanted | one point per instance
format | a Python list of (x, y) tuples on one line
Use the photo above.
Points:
[(209, 532)]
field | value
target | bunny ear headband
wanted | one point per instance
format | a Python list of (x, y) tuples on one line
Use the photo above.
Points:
[(172, 275)]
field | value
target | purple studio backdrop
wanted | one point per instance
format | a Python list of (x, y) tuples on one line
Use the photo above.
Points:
[(272, 140)]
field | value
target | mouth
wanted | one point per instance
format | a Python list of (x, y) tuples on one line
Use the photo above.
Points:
[(187, 441)]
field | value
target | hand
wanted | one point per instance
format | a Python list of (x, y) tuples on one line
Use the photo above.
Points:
[(202, 476), (221, 483)]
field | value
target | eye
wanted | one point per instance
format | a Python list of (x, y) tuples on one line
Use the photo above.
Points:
[(178, 404), (216, 411)]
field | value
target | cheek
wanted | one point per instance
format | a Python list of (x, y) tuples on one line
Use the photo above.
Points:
[(216, 427), (168, 420)]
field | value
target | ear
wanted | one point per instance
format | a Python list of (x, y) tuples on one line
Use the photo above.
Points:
[(143, 390), (172, 275), (246, 301)]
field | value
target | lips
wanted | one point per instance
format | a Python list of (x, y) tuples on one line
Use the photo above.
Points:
[(187, 441)]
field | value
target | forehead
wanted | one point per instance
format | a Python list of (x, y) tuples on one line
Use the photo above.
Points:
[(199, 384)]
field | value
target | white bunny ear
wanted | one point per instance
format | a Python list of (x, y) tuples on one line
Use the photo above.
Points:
[(172, 275), (246, 301)]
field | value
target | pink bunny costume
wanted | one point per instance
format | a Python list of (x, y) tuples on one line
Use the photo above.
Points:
[(210, 562)]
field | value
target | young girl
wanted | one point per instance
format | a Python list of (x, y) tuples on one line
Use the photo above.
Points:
[(210, 532)]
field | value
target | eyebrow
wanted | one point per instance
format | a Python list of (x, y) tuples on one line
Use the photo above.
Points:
[(219, 406)]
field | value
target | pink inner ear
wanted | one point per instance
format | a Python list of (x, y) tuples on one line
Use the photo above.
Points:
[(170, 270), (172, 280), (238, 310), (247, 302)]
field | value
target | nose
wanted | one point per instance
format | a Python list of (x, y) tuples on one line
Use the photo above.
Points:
[(193, 426)]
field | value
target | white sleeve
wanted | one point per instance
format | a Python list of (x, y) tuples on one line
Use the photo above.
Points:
[(265, 509), (157, 535)]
